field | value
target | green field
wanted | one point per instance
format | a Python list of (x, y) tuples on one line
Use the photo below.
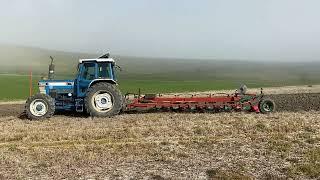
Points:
[(17, 86), (158, 86)]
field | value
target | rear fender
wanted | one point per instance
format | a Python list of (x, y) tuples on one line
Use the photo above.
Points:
[(111, 81)]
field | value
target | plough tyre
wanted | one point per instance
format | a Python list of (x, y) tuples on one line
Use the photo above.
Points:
[(267, 106)]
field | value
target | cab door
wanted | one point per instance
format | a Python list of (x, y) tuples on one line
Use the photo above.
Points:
[(88, 72)]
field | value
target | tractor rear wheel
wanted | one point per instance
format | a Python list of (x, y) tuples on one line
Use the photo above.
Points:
[(39, 106), (267, 106), (103, 100)]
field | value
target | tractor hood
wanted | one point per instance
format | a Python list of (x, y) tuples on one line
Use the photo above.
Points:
[(56, 86), (56, 82)]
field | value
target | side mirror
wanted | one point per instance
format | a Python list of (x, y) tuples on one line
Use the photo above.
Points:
[(118, 67)]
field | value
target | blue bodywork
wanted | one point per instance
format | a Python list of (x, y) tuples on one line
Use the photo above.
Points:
[(70, 94)]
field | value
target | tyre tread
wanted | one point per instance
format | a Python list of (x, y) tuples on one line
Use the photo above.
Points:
[(262, 101), (104, 86), (50, 102)]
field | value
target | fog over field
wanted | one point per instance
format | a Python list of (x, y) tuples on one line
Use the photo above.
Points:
[(257, 42), (19, 60)]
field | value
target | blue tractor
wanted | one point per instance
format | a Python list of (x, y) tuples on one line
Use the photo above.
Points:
[(94, 90)]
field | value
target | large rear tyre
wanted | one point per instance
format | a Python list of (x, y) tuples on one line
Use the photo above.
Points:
[(267, 106), (39, 106), (103, 100)]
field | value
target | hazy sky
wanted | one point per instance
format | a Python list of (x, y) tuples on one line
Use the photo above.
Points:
[(227, 29)]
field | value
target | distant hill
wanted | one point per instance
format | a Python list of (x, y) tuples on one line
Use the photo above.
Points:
[(18, 59)]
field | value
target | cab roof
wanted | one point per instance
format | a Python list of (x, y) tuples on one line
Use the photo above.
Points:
[(97, 60)]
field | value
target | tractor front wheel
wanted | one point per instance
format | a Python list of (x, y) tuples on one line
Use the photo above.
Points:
[(267, 106), (39, 106), (103, 100)]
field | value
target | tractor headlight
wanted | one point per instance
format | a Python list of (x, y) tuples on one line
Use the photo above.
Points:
[(42, 87)]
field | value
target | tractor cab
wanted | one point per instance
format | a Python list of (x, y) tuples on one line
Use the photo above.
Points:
[(92, 71)]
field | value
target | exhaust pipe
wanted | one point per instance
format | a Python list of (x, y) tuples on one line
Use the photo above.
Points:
[(51, 70)]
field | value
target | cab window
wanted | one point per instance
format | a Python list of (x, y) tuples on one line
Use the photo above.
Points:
[(89, 71), (104, 70)]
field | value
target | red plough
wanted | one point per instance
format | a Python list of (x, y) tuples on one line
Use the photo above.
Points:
[(212, 102)]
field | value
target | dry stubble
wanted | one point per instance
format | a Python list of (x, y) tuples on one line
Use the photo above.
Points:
[(163, 145)]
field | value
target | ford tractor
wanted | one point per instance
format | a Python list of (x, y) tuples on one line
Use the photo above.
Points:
[(95, 91)]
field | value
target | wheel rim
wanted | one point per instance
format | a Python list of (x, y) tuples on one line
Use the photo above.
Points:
[(267, 106), (102, 101), (38, 107)]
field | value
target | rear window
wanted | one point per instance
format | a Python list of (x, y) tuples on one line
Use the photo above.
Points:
[(104, 70)]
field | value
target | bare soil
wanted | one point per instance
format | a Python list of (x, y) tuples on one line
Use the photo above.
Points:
[(281, 145), (296, 102), (11, 110), (163, 146)]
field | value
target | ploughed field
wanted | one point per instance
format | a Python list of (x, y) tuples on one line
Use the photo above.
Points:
[(284, 102), (284, 144)]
